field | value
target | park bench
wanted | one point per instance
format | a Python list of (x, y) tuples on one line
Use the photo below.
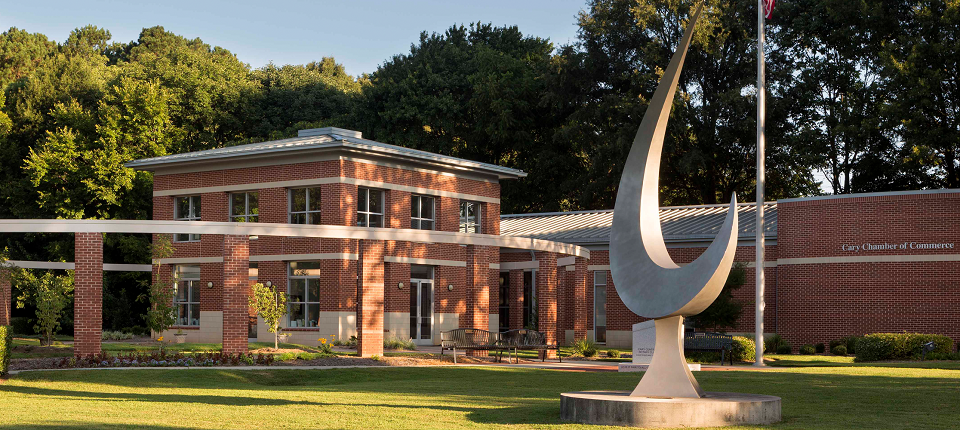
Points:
[(470, 339), (527, 340), (709, 342)]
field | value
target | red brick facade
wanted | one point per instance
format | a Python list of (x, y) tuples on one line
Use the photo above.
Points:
[(236, 293), (88, 293), (370, 307)]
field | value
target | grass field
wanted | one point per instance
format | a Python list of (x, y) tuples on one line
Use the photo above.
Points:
[(445, 398)]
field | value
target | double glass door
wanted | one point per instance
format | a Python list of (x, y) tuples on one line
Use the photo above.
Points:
[(421, 307)]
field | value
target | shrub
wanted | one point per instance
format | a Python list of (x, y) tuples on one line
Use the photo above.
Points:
[(399, 344), (137, 330), (705, 357), (772, 345), (350, 343), (807, 350), (899, 346), (165, 359), (743, 349), (115, 335), (584, 348), (839, 350), (6, 346), (612, 353), (942, 356), (821, 348), (21, 325), (785, 348)]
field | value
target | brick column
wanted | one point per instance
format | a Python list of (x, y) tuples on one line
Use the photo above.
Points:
[(370, 298), (547, 297), (5, 297), (516, 299), (236, 292), (477, 314), (579, 303), (88, 294)]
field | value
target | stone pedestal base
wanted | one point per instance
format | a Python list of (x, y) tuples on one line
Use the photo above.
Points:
[(618, 408)]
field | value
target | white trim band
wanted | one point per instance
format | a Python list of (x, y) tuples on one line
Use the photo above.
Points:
[(55, 265), (598, 267), (520, 265), (423, 261), (566, 261), (870, 259), (296, 257)]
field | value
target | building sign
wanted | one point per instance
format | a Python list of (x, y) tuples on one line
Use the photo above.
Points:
[(895, 246)]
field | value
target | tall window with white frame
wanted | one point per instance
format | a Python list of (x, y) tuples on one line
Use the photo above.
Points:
[(600, 306), (244, 207), (469, 217), (186, 208), (422, 212), (305, 206), (369, 207), (304, 291), (187, 297)]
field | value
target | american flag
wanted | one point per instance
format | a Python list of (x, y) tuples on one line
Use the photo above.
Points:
[(768, 7)]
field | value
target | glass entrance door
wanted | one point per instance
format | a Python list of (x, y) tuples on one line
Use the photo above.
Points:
[(421, 311)]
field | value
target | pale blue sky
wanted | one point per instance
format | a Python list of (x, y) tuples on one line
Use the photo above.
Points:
[(359, 34)]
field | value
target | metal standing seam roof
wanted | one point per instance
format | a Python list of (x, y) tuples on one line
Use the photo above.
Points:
[(319, 139), (679, 224)]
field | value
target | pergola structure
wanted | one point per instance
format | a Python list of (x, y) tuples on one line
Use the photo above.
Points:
[(89, 268)]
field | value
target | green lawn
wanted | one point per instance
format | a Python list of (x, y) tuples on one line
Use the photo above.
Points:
[(445, 397)]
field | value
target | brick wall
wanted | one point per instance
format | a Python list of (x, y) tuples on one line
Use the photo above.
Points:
[(547, 297), (828, 300), (236, 293), (88, 293), (370, 298)]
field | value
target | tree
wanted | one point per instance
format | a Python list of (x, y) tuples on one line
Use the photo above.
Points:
[(160, 295), (50, 294), (724, 311), (271, 305)]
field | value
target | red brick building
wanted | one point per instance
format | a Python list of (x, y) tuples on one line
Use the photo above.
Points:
[(378, 241)]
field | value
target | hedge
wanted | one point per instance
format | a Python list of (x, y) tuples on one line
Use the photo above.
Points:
[(6, 347), (744, 349), (899, 346)]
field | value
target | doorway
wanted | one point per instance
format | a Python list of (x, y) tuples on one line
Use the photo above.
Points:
[(421, 304)]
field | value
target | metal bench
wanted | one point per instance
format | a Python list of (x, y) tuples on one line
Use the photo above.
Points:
[(470, 339), (709, 342), (527, 340)]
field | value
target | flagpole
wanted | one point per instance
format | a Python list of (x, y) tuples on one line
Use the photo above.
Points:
[(759, 242)]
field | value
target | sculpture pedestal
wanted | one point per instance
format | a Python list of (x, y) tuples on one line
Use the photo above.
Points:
[(619, 408)]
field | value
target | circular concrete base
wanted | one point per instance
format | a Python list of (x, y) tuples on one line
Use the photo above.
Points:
[(618, 408)]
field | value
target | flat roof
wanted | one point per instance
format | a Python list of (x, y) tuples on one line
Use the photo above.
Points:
[(323, 139), (679, 224)]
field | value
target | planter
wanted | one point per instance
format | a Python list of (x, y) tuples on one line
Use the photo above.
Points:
[(283, 338), (180, 338)]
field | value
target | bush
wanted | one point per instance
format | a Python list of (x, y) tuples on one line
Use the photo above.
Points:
[(744, 349), (6, 346), (584, 348), (839, 350), (137, 330), (821, 348), (807, 350), (785, 348), (21, 325), (165, 359), (399, 344), (705, 357), (613, 353), (773, 344), (115, 335), (899, 346), (942, 356)]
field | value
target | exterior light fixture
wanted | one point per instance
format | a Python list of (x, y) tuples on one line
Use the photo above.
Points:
[(269, 284), (400, 285), (449, 287), (209, 284)]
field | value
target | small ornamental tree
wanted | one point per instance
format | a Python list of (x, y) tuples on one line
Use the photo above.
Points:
[(271, 305), (725, 310), (161, 314), (50, 294)]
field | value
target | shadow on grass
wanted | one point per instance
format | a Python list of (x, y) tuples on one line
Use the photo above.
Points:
[(75, 425), (153, 398)]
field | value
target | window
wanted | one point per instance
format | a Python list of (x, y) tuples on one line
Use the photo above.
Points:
[(600, 306), (421, 213), (244, 207), (469, 217), (305, 206), (304, 290), (530, 319), (187, 297), (186, 209), (504, 301), (369, 208)]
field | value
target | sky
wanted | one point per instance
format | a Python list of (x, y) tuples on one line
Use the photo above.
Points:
[(359, 34)]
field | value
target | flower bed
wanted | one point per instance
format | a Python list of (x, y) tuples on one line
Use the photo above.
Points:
[(164, 359)]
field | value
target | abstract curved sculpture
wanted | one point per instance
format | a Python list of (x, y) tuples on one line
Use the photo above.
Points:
[(646, 278)]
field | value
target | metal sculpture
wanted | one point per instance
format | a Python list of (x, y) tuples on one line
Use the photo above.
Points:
[(646, 278)]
